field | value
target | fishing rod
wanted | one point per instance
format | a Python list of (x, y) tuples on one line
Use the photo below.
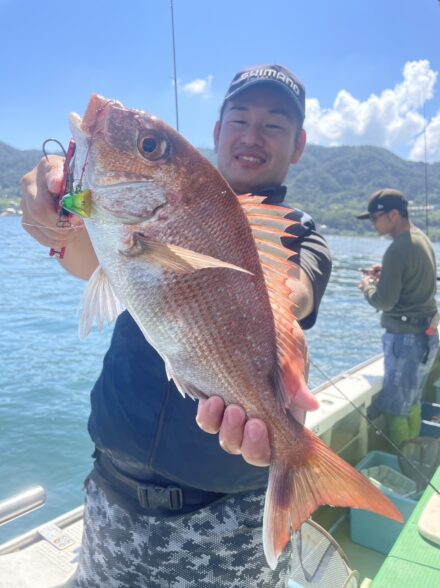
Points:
[(174, 65), (426, 171), (377, 430), (365, 271)]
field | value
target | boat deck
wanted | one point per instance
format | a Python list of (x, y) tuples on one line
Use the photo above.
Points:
[(414, 561), (366, 561), (47, 556)]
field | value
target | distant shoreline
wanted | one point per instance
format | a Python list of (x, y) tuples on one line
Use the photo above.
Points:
[(324, 231), (11, 212)]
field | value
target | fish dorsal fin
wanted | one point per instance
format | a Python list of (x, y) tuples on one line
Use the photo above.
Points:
[(99, 302), (269, 225)]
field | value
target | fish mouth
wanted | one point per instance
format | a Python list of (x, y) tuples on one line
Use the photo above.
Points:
[(75, 124), (94, 116), (106, 179), (106, 186)]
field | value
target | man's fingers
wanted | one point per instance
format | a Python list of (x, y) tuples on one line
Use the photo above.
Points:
[(255, 447), (299, 414), (210, 414), (38, 235), (40, 188), (47, 237), (231, 430), (42, 227), (38, 203), (54, 172), (237, 436)]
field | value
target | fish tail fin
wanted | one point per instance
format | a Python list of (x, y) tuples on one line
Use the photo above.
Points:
[(295, 492)]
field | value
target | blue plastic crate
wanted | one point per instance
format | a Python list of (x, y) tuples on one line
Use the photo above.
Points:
[(430, 420), (372, 530), (387, 479)]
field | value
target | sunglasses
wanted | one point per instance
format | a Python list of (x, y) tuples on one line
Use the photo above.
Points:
[(375, 217)]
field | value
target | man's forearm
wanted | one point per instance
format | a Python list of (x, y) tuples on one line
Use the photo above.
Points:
[(79, 257), (302, 292), (382, 295)]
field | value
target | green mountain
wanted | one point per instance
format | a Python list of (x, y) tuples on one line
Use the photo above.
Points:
[(13, 164), (331, 183)]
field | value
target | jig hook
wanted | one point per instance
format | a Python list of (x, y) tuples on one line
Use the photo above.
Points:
[(51, 140)]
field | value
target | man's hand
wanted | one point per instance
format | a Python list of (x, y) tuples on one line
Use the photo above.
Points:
[(366, 281), (237, 435), (371, 276), (39, 190)]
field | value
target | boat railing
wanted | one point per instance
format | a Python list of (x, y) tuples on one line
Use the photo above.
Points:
[(23, 503), (33, 535)]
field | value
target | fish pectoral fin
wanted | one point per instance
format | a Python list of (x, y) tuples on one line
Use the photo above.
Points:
[(173, 258), (99, 302)]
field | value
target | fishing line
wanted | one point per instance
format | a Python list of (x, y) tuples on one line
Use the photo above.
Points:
[(377, 430), (58, 229), (174, 65)]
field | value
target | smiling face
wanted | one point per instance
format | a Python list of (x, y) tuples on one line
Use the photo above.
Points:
[(257, 139)]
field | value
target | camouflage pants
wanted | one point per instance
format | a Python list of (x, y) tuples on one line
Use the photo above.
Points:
[(217, 546)]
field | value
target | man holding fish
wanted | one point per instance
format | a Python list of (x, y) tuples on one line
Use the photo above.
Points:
[(165, 505)]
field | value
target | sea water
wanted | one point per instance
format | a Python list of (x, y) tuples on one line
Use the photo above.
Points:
[(46, 373)]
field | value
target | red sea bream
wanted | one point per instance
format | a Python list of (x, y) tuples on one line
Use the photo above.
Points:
[(206, 277)]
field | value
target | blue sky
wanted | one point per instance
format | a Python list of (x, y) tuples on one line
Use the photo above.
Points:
[(370, 66)]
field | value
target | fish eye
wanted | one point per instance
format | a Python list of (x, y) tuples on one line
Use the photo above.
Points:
[(152, 145)]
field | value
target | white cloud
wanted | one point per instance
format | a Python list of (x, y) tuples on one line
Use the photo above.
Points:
[(392, 119), (199, 87), (432, 142)]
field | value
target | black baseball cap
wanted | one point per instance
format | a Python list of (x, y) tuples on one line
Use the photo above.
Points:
[(384, 201), (276, 75)]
